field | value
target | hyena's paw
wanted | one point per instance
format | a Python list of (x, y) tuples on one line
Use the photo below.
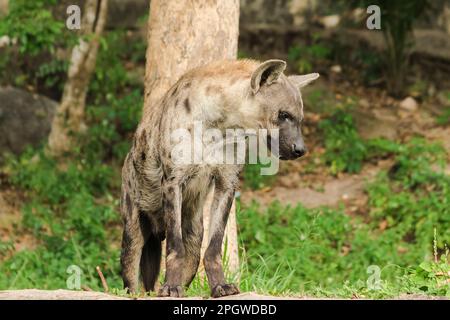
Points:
[(170, 291), (223, 290)]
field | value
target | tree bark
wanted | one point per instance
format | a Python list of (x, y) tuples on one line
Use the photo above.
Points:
[(4, 6), (184, 35), (69, 116)]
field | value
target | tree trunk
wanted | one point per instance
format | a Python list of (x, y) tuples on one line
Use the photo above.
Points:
[(69, 116), (184, 35), (4, 5)]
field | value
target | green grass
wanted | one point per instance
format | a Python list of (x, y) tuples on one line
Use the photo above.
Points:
[(326, 252), (253, 179), (68, 213), (71, 208), (345, 150), (305, 56), (444, 118)]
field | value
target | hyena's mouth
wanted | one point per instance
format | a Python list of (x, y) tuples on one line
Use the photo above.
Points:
[(274, 148), (287, 158), (273, 145)]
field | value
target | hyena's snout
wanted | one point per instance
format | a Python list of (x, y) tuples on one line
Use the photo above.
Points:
[(291, 143), (298, 148), (292, 147)]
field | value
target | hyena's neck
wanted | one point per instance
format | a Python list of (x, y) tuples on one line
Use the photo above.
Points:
[(233, 108)]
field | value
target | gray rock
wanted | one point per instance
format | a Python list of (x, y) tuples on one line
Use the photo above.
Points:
[(409, 104), (25, 119)]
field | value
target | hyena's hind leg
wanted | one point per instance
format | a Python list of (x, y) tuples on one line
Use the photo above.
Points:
[(192, 228), (135, 234), (151, 253)]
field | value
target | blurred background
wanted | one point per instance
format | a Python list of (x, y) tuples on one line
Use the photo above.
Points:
[(365, 214)]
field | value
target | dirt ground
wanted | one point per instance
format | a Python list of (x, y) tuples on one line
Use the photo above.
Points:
[(34, 294)]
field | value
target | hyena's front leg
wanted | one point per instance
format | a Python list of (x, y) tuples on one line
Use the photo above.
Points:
[(192, 226), (174, 241), (223, 199), (133, 239)]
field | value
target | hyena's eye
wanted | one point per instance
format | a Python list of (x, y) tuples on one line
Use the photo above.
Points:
[(284, 116)]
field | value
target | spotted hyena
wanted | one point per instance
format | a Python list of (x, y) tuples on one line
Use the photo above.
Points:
[(162, 199)]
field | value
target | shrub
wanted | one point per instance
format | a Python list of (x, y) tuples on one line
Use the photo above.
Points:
[(397, 21), (345, 150)]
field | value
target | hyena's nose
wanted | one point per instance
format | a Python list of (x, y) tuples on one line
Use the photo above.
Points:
[(299, 150)]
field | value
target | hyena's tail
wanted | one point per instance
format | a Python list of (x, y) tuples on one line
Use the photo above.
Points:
[(150, 262)]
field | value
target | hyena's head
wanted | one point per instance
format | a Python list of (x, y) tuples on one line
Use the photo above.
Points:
[(280, 105)]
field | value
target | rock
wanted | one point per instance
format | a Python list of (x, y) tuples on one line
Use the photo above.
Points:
[(336, 69), (25, 119), (409, 104), (358, 14), (330, 22), (6, 41)]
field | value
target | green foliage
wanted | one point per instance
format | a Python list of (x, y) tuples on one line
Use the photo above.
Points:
[(304, 56), (33, 25), (397, 21), (253, 179), (32, 59), (326, 252), (332, 250), (371, 64), (67, 219), (414, 196), (110, 73), (110, 122), (431, 278), (444, 118), (51, 73), (72, 208), (345, 150), (116, 102)]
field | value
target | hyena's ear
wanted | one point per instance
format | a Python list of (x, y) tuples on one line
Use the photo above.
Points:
[(266, 73), (303, 80)]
